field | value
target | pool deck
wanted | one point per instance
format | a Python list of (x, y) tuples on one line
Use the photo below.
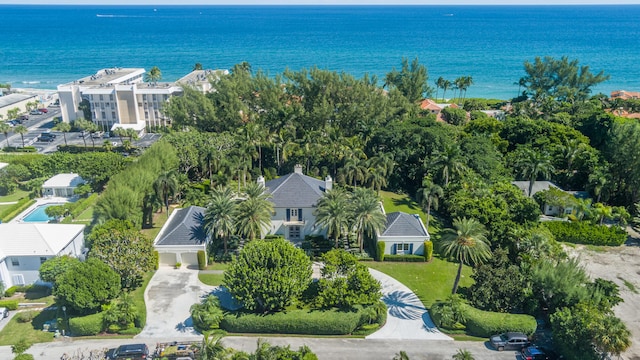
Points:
[(39, 201)]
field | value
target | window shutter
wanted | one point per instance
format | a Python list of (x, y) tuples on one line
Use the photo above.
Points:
[(410, 248), (394, 249), (288, 214), (299, 214)]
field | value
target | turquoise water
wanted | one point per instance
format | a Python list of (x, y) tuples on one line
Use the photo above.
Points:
[(38, 214), (43, 46)]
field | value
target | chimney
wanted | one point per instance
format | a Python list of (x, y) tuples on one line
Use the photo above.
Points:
[(297, 169), (328, 183), (260, 181)]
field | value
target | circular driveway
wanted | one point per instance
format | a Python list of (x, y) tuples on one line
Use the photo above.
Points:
[(168, 297)]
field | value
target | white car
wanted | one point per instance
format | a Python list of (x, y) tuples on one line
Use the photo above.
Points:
[(4, 312)]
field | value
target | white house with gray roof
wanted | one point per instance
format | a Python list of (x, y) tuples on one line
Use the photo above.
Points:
[(181, 237), (294, 198), (24, 247), (404, 234)]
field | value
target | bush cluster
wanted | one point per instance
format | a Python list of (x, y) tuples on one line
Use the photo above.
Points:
[(317, 322), (380, 251), (585, 233), (87, 325), (428, 250), (9, 304), (404, 258)]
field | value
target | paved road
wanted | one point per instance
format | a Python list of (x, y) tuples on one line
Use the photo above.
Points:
[(325, 348)]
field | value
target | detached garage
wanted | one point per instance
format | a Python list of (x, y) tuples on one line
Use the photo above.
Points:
[(181, 237)]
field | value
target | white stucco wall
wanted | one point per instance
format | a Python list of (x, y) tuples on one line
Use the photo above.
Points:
[(186, 254), (418, 243), (308, 228)]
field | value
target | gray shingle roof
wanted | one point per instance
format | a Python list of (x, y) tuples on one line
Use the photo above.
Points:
[(537, 186), (403, 224), (295, 191), (185, 228)]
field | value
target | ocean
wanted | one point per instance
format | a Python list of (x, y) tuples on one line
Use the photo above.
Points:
[(43, 46)]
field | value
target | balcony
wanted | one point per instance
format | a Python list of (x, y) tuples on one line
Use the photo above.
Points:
[(294, 222)]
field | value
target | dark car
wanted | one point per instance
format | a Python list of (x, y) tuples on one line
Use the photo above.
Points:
[(131, 352), (23, 118), (509, 341), (534, 353), (43, 110), (47, 137)]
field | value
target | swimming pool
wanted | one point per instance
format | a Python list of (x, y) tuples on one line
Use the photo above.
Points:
[(38, 214)]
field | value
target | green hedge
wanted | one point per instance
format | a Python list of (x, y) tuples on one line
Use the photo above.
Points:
[(306, 322), (9, 213), (202, 260), (10, 291), (380, 251), (86, 325), (77, 208), (404, 258), (585, 233), (485, 323), (9, 304), (428, 250)]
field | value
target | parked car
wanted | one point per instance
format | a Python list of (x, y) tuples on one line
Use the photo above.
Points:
[(43, 110), (47, 137), (131, 352), (83, 134), (4, 312), (97, 134), (36, 112), (23, 117), (509, 341), (533, 353)]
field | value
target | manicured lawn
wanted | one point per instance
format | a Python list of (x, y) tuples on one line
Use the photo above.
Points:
[(17, 195), (138, 297), (218, 266), (401, 202), (211, 279), (158, 221), (30, 331), (431, 281)]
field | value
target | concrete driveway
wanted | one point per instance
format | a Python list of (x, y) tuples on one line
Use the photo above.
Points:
[(407, 318), (169, 295)]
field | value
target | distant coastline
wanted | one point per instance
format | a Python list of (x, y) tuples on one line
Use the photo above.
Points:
[(489, 43)]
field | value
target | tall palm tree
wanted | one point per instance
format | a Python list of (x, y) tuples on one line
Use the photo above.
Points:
[(375, 177), (5, 128), (439, 84), (166, 186), (467, 243), (449, 161), (368, 217), (599, 181), (332, 212), (253, 214), (467, 82), (531, 164), (602, 212), (82, 125), (445, 85), (616, 339), (353, 171), (219, 218), (463, 355), (21, 129), (153, 75), (212, 347), (64, 128), (428, 196)]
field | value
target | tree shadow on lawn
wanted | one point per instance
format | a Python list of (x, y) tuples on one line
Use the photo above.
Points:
[(226, 299), (405, 201), (403, 305), (47, 315)]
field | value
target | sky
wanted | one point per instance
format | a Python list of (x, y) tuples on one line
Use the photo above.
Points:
[(317, 2)]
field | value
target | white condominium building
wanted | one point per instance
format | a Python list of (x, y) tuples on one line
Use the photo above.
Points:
[(118, 97)]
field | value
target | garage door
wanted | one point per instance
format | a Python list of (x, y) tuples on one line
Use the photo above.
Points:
[(189, 259), (167, 259)]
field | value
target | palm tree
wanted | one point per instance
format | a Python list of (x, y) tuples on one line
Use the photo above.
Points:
[(5, 128), (467, 243), (212, 347), (467, 81), (450, 162), (602, 212), (332, 212), (463, 355), (91, 128), (253, 214), (83, 125), (108, 146), (353, 171), (376, 178), (153, 75), (402, 355), (428, 196), (219, 218), (599, 181), (165, 186), (64, 128), (616, 337), (21, 129), (532, 164), (445, 85), (439, 84), (120, 132), (368, 217)]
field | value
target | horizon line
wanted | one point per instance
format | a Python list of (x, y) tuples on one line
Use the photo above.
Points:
[(183, 4)]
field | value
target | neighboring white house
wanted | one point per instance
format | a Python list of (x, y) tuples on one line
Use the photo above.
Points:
[(404, 234), (549, 209), (62, 185), (181, 237), (294, 198), (24, 247)]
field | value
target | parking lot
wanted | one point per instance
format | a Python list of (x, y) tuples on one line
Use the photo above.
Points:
[(49, 142)]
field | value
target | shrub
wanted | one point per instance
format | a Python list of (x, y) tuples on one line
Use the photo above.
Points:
[(585, 233), (86, 325), (130, 331), (329, 322), (380, 251), (207, 315), (27, 316), (428, 250), (202, 260), (10, 291), (156, 258), (178, 265), (9, 304), (23, 357), (485, 323), (404, 258)]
